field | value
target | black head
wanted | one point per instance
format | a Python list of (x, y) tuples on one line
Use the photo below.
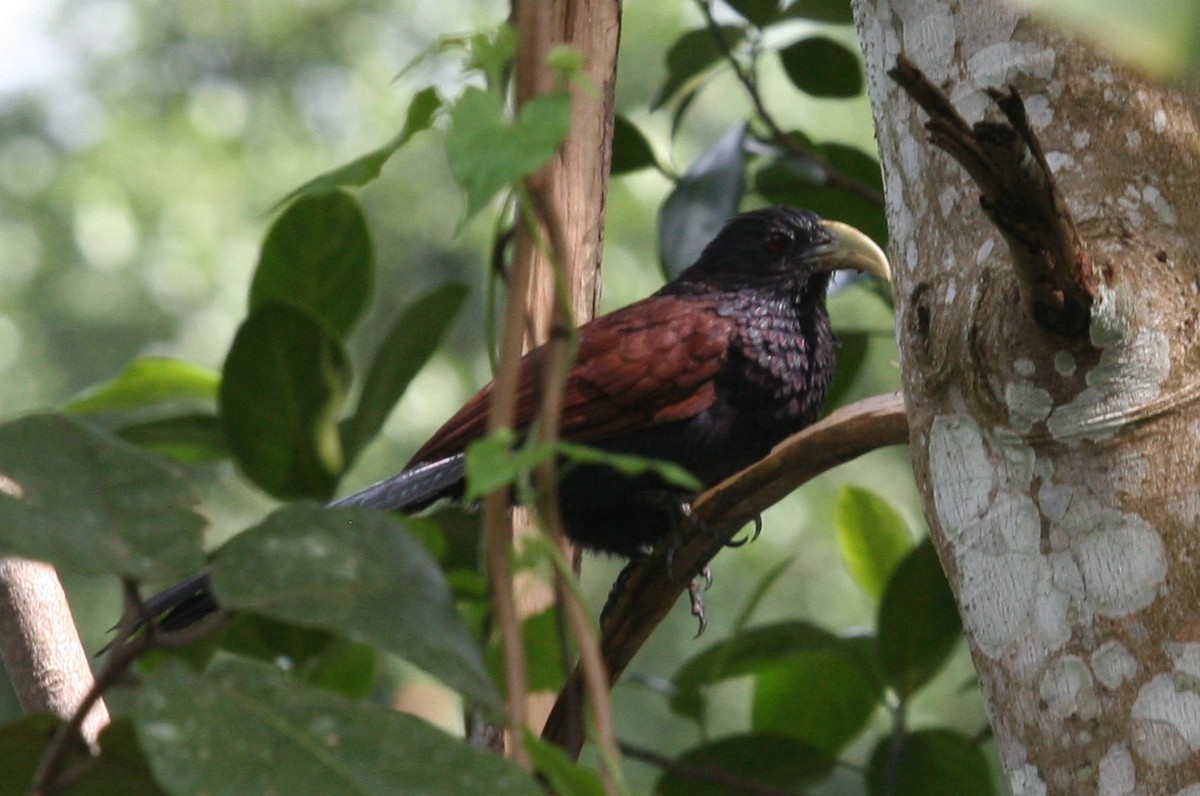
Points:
[(784, 246)]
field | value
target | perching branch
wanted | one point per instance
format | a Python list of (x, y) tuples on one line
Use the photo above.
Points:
[(40, 645), (1019, 194), (721, 512)]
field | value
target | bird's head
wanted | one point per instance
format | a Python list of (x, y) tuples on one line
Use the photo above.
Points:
[(787, 246)]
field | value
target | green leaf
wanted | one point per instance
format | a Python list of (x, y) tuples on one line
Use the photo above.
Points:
[(90, 504), (543, 652), (284, 381), (366, 168), (487, 152), (630, 149), (691, 55), (851, 353), (835, 11), (317, 257), (565, 777), (241, 728), (145, 382), (768, 762), (359, 574), (798, 181), (409, 344), (823, 696), (872, 536), (121, 767), (702, 201), (494, 461), (190, 438), (753, 650), (759, 13), (930, 761), (919, 624), (630, 465), (822, 67)]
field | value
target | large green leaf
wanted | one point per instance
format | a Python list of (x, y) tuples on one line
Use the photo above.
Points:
[(410, 343), (836, 11), (193, 437), (929, 762), (753, 650), (823, 697), (737, 764), (284, 381), (873, 538), (759, 13), (121, 768), (93, 505), (630, 149), (318, 257), (690, 56), (488, 151), (366, 168), (702, 201), (241, 728), (358, 573), (565, 776), (822, 67), (918, 621), (145, 382)]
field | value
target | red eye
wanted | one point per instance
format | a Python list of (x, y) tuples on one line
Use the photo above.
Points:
[(777, 245)]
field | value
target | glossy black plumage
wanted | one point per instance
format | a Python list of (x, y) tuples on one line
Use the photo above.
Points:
[(711, 371)]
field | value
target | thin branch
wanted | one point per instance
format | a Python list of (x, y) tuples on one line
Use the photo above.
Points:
[(654, 587), (830, 175)]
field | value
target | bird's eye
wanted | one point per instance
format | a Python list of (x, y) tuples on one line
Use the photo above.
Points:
[(778, 244)]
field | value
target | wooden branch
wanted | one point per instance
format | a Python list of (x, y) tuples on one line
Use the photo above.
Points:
[(1020, 196), (45, 659), (721, 512)]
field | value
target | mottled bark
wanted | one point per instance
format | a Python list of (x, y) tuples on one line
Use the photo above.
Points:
[(1058, 472)]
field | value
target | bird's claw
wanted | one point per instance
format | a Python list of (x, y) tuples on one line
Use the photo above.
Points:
[(697, 600), (758, 526)]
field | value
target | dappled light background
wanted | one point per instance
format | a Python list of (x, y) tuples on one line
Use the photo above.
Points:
[(143, 146)]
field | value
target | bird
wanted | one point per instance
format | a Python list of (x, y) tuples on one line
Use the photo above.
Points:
[(710, 372)]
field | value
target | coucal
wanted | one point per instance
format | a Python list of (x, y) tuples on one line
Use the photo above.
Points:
[(710, 372)]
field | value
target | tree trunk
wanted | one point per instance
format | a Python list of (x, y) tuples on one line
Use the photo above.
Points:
[(1058, 471)]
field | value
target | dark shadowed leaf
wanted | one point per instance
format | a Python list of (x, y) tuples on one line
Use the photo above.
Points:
[(318, 257), (822, 67), (851, 353), (93, 505), (22, 745), (703, 200), (837, 11), (630, 149), (145, 382), (411, 342), (690, 56), (543, 653), (823, 696), (753, 650), (760, 13), (366, 168), (263, 734), (794, 180), (284, 381), (741, 762), (873, 538), (566, 778), (488, 152), (359, 574), (188, 438), (928, 762), (918, 621)]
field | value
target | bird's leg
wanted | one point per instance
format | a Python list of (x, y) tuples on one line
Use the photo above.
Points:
[(683, 524), (618, 586)]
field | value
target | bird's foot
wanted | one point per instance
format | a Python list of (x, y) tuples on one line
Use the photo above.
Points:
[(758, 526), (618, 586), (695, 594)]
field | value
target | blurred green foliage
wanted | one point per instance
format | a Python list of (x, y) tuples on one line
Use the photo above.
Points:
[(134, 192)]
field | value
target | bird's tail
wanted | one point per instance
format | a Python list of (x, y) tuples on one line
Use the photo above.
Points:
[(191, 600)]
